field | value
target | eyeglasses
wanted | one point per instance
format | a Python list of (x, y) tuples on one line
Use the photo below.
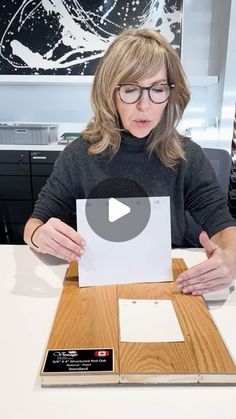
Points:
[(131, 93)]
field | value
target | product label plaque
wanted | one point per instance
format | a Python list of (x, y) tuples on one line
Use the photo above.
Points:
[(78, 360)]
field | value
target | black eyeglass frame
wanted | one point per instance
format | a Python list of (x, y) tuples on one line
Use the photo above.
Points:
[(142, 88)]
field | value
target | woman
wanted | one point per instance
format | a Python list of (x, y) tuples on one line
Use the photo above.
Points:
[(139, 95)]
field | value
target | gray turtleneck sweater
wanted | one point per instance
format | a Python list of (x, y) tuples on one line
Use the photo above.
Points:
[(191, 185)]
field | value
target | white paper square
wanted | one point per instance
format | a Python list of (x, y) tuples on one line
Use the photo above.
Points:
[(148, 321), (145, 258)]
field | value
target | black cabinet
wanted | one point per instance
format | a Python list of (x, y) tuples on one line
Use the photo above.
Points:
[(42, 163), (22, 175)]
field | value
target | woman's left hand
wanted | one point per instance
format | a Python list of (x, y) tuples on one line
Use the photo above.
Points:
[(217, 272)]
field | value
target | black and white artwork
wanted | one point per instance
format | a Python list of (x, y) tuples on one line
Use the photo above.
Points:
[(68, 37)]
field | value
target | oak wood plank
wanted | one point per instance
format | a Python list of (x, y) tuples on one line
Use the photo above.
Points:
[(85, 318), (88, 318), (202, 352)]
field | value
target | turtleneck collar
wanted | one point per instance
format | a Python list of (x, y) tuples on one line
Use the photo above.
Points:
[(131, 143)]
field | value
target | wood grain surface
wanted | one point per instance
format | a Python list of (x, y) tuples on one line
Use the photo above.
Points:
[(88, 318)]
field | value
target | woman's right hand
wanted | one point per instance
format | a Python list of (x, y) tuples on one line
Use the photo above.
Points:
[(58, 239)]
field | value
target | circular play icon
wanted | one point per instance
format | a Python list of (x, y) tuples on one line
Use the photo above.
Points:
[(118, 209)]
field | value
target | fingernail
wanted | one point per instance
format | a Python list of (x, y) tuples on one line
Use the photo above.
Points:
[(83, 243), (77, 258), (81, 252)]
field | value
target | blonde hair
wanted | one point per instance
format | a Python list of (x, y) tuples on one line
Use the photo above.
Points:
[(132, 56)]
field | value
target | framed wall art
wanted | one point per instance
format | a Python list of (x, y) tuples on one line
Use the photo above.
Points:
[(47, 39)]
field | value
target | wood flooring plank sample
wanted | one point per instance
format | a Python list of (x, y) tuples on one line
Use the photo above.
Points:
[(202, 357), (88, 318)]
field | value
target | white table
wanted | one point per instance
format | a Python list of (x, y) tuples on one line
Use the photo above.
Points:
[(30, 286)]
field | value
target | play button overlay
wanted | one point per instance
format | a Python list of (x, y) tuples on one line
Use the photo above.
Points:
[(117, 209)]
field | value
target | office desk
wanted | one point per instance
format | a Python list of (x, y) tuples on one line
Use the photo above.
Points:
[(30, 287)]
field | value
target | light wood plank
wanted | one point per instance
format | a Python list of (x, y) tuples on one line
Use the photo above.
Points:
[(88, 318), (202, 352), (85, 318)]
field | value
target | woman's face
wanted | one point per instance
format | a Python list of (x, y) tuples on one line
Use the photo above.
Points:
[(141, 117)]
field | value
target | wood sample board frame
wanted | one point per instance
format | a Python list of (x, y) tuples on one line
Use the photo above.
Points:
[(87, 319)]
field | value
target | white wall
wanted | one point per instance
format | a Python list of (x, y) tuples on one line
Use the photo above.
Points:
[(228, 82), (210, 49), (45, 103), (196, 36)]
